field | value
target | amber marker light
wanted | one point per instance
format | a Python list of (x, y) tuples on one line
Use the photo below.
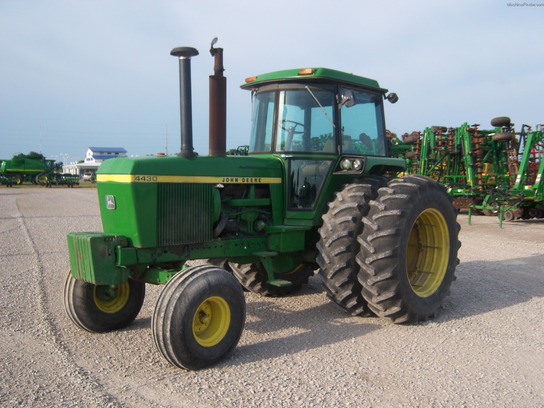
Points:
[(251, 79), (306, 71)]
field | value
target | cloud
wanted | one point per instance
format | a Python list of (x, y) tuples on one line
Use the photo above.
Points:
[(99, 72)]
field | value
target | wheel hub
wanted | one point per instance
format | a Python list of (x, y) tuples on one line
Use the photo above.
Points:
[(427, 255), (111, 299), (211, 321)]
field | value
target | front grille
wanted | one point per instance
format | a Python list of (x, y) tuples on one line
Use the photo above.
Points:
[(184, 213)]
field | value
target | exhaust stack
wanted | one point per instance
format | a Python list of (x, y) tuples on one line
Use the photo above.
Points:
[(184, 55), (218, 105)]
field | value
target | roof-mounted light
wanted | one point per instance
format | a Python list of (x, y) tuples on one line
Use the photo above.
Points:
[(306, 71), (251, 78)]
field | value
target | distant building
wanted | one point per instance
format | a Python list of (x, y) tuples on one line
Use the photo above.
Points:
[(94, 157), (99, 154)]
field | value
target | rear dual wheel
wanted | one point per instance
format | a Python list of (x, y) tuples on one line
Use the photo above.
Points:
[(409, 250), (338, 244), (199, 317)]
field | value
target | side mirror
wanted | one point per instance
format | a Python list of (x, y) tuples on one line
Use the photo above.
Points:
[(392, 97), (348, 99)]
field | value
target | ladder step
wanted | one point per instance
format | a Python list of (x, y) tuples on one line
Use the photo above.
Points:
[(281, 283)]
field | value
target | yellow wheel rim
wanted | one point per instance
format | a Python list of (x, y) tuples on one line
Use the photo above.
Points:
[(211, 321), (427, 254), (110, 299)]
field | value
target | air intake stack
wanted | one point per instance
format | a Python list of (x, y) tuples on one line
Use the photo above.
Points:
[(186, 111)]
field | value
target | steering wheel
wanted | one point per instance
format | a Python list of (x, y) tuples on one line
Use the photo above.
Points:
[(291, 129)]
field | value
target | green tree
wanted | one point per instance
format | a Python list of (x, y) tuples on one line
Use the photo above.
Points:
[(31, 155)]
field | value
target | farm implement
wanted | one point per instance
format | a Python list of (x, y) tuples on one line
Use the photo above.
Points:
[(496, 171), (17, 171)]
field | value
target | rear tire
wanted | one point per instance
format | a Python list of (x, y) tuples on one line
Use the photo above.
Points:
[(409, 250), (199, 317), (222, 263), (100, 308), (338, 244), (254, 277)]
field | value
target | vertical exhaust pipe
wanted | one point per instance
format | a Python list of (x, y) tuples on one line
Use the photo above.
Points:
[(218, 105), (184, 55)]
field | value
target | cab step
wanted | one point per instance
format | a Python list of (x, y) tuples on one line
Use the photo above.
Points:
[(281, 283)]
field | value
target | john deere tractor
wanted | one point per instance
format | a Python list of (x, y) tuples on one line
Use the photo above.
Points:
[(310, 195)]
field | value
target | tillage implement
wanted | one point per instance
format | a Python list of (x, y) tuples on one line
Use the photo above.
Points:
[(495, 171)]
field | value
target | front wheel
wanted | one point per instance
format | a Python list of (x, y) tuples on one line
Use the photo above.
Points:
[(408, 250), (199, 317), (101, 308)]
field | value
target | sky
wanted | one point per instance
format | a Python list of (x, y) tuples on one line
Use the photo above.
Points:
[(82, 73)]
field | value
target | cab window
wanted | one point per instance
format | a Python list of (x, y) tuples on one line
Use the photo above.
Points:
[(362, 128)]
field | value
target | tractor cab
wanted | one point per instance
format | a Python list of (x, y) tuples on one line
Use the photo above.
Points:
[(318, 121)]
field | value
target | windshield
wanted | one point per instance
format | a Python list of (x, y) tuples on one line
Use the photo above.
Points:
[(305, 121)]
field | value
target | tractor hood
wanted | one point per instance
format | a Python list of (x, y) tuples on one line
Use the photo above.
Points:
[(176, 169), (173, 201)]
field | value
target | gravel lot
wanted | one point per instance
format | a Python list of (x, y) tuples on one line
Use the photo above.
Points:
[(486, 349)]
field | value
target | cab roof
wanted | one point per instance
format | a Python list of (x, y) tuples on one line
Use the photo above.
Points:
[(312, 74)]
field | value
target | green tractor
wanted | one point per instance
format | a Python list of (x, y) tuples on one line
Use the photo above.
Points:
[(311, 194)]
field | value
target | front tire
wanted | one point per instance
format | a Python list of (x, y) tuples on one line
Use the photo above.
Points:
[(199, 317), (408, 250), (101, 308)]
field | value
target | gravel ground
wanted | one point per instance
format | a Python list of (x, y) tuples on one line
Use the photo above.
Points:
[(486, 349)]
